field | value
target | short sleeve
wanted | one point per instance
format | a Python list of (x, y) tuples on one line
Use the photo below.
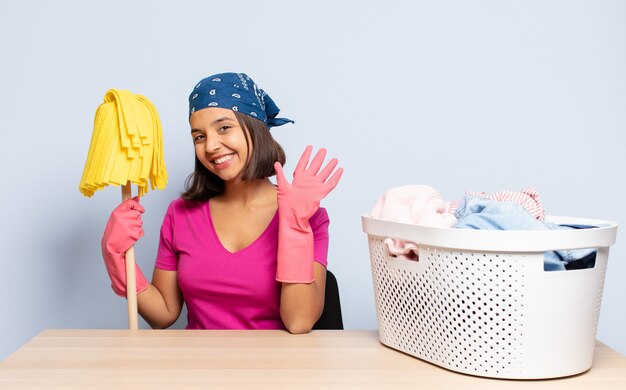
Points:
[(319, 225), (166, 255)]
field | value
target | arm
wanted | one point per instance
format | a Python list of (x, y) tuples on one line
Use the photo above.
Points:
[(299, 243), (161, 303), (301, 304)]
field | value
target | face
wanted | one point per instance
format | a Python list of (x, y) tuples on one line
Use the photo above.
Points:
[(219, 141)]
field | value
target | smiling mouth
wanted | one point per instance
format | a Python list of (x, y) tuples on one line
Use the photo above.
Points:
[(223, 159)]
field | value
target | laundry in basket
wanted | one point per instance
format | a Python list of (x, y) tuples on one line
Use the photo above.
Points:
[(480, 302)]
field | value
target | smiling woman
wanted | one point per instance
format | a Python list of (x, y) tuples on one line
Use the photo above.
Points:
[(240, 252), (205, 183)]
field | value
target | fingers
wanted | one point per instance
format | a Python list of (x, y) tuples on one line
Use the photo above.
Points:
[(128, 213), (135, 232), (313, 171), (333, 181), (133, 204), (130, 204), (280, 175), (138, 234), (317, 162), (132, 213), (328, 169), (304, 160), (131, 224)]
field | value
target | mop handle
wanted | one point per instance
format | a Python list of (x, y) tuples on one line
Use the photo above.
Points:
[(131, 281)]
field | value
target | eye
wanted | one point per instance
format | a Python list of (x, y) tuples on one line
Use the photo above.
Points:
[(198, 138), (223, 129)]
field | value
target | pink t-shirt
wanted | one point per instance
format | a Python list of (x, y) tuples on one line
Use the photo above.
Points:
[(224, 290)]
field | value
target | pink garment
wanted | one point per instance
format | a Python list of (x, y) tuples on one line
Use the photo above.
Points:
[(412, 204), (224, 290), (528, 198)]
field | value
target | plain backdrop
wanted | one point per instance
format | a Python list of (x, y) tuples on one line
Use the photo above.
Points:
[(460, 95)]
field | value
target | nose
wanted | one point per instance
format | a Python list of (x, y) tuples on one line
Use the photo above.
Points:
[(212, 144)]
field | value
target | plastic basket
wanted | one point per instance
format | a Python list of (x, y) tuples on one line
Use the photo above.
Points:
[(479, 302)]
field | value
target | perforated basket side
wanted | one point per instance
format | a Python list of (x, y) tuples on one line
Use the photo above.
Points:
[(459, 310)]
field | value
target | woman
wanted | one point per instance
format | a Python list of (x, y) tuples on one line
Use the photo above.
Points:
[(240, 252)]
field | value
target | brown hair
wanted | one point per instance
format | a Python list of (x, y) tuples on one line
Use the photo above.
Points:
[(202, 184)]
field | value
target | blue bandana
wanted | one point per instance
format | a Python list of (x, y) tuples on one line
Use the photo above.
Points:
[(237, 92)]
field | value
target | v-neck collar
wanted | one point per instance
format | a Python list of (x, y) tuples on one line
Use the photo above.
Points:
[(247, 248)]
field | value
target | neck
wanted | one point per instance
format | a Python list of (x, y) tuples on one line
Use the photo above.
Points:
[(247, 192)]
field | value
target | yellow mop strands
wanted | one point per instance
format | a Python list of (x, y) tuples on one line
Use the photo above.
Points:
[(126, 145)]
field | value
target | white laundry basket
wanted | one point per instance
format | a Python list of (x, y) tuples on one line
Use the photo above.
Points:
[(479, 301)]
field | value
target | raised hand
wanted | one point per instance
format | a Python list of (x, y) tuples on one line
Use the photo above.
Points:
[(297, 203), (309, 186)]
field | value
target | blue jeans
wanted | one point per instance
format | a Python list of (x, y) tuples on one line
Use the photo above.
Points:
[(475, 212)]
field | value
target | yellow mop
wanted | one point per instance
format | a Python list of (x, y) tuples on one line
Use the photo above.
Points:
[(126, 147)]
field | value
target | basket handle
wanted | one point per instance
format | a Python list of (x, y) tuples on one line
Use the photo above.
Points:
[(406, 249)]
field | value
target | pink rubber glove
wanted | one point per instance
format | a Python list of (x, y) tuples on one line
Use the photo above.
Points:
[(297, 202), (123, 229)]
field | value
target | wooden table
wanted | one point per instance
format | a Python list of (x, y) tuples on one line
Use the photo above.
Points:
[(187, 359)]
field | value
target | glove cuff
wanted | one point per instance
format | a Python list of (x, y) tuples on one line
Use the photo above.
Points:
[(141, 283), (295, 253), (115, 265)]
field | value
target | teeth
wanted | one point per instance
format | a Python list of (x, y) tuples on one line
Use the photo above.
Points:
[(223, 159)]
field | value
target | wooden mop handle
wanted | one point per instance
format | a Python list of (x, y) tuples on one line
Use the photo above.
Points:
[(131, 281)]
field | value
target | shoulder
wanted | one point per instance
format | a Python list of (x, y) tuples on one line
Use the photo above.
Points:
[(180, 209), (180, 205)]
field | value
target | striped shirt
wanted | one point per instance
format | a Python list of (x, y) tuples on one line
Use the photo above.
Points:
[(528, 198)]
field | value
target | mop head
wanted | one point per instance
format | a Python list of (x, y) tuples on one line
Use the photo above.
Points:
[(126, 145)]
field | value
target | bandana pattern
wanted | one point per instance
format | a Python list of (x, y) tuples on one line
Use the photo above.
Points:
[(237, 92)]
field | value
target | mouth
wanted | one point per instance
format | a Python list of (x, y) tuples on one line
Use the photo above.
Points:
[(222, 159)]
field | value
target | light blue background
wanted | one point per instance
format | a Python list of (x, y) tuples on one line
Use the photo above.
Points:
[(461, 95)]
